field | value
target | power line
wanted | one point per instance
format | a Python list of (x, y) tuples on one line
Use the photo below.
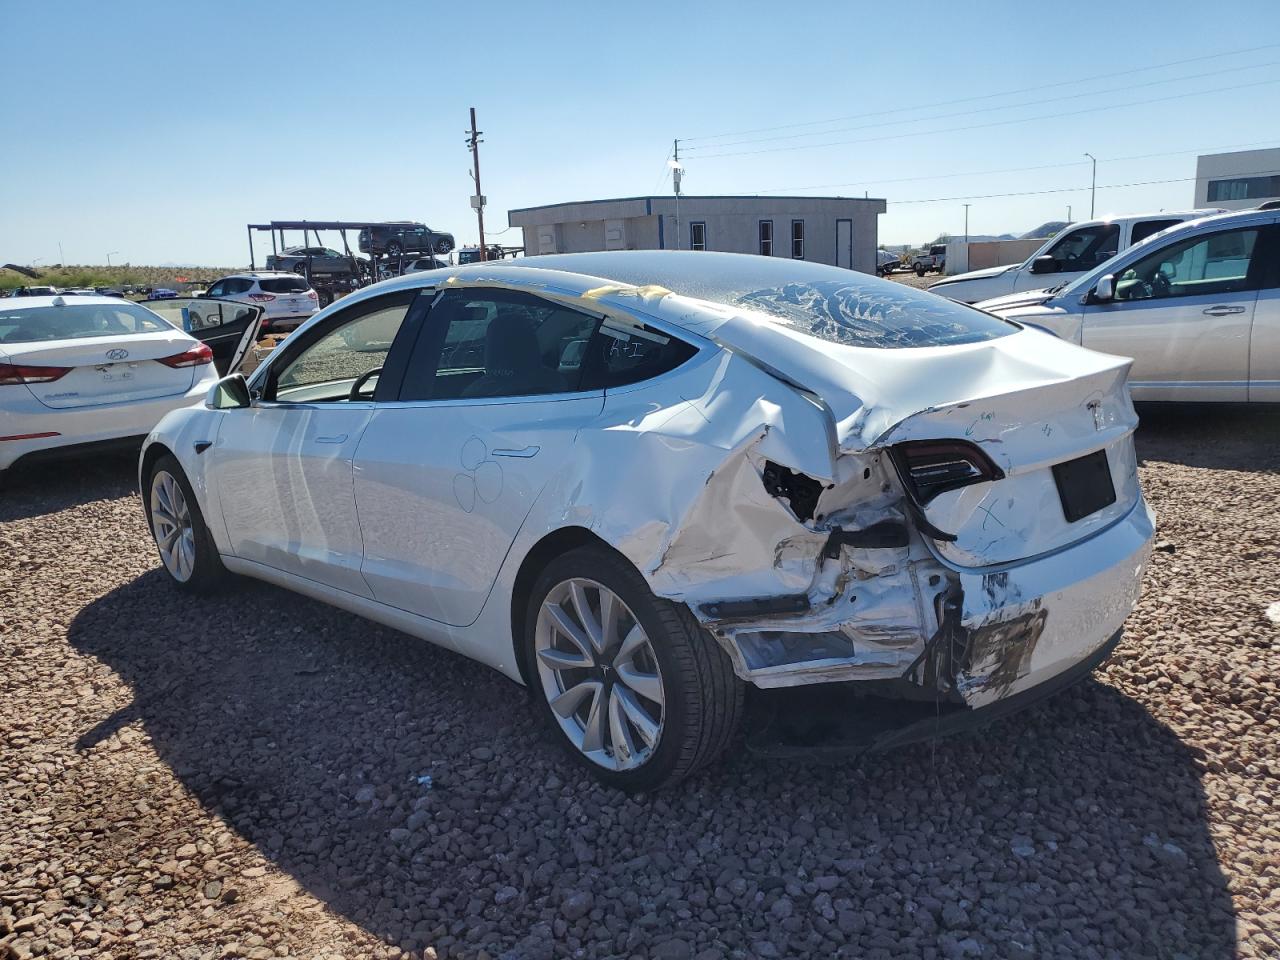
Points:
[(877, 181), (1033, 193), (988, 96), (980, 110), (994, 123)]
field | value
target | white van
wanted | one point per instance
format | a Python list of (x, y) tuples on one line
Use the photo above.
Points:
[(1072, 253)]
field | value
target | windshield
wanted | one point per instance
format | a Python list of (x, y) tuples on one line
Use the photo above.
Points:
[(31, 324), (1090, 279)]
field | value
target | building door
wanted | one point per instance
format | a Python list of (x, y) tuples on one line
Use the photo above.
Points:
[(844, 244)]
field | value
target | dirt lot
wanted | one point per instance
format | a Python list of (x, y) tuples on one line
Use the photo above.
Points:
[(246, 775)]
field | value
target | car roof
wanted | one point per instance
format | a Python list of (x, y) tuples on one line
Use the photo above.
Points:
[(78, 298)]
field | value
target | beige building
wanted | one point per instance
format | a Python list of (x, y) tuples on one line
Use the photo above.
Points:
[(840, 231)]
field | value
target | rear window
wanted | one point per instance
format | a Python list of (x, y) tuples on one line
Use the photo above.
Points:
[(283, 285), (875, 314), (31, 324)]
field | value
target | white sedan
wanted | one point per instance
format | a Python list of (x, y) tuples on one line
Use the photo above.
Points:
[(85, 370), (638, 482)]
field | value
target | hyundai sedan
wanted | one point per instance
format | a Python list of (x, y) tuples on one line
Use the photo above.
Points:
[(640, 481), (86, 370)]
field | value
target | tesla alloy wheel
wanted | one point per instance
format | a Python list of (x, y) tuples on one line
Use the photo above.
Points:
[(182, 539), (631, 683)]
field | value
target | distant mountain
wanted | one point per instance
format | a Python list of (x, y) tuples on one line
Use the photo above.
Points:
[(1045, 230)]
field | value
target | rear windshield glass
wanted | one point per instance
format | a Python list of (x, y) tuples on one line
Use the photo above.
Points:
[(875, 314), (283, 285), (29, 324)]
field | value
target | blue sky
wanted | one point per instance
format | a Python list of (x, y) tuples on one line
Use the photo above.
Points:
[(157, 131)]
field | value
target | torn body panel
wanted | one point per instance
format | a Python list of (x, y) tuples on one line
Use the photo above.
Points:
[(762, 493)]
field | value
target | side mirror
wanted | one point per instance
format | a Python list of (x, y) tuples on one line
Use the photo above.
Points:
[(1045, 264), (229, 393), (1105, 291)]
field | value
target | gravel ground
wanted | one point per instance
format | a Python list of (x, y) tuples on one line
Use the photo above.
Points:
[(245, 775)]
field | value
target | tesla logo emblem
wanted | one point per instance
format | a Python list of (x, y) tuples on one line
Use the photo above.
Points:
[(1095, 407), (117, 354)]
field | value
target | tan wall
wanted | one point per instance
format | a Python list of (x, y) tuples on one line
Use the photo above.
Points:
[(999, 253)]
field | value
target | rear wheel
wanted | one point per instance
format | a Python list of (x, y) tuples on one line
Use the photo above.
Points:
[(630, 683), (186, 549), (919, 269), (394, 248)]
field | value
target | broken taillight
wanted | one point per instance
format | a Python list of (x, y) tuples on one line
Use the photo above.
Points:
[(931, 467)]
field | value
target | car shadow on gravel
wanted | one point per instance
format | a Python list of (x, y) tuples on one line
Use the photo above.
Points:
[(411, 791), (1211, 435), (36, 490)]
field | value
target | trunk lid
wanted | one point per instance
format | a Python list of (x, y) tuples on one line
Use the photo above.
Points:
[(1028, 400), (107, 369)]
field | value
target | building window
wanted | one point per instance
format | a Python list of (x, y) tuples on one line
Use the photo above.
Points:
[(697, 235), (1244, 188), (766, 238), (797, 239)]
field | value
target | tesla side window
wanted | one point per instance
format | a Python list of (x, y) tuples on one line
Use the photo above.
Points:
[(1216, 264), (624, 353), (498, 343), (342, 357), (1087, 247)]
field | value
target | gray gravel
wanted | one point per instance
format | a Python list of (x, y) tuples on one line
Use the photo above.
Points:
[(247, 775)]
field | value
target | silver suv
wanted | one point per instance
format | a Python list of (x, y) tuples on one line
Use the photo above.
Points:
[(286, 298)]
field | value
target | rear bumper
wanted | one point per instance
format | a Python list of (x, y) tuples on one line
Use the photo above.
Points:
[(89, 426), (1026, 623)]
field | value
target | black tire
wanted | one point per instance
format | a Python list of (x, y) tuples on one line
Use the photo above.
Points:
[(394, 248), (207, 573), (444, 245), (703, 697), (920, 271), (324, 298)]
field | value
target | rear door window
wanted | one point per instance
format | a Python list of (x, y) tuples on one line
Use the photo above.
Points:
[(498, 343), (623, 353), (1145, 228)]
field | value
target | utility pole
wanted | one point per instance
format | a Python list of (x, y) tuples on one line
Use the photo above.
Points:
[(966, 223), (477, 201), (109, 256), (1093, 186), (675, 179), (1068, 213)]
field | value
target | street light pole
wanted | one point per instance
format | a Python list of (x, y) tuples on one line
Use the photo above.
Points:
[(966, 223), (109, 257), (1093, 185)]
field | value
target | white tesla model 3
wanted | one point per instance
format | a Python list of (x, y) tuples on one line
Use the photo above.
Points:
[(639, 481)]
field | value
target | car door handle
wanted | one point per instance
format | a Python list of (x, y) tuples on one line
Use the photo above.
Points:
[(524, 453), (340, 438), (1222, 311)]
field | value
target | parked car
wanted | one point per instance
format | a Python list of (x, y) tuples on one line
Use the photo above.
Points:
[(887, 262), (79, 292), (286, 298), (619, 505), (1061, 259), (425, 263), (310, 261), (89, 370), (161, 293), (934, 259), (403, 236), (38, 291), (1196, 306)]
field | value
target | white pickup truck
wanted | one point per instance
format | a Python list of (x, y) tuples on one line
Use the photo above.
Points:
[(1072, 253)]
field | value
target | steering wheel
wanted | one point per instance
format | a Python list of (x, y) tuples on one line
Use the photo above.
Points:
[(354, 392), (1160, 286)]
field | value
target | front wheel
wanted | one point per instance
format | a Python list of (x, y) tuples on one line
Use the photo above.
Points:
[(630, 683), (186, 548), (919, 270)]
